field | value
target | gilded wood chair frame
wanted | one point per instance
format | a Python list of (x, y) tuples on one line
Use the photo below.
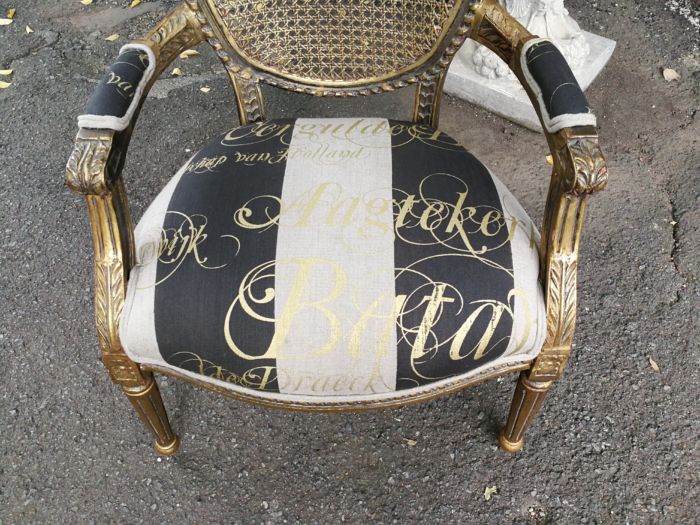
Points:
[(94, 169)]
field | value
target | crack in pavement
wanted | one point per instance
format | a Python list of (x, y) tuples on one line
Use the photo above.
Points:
[(50, 38)]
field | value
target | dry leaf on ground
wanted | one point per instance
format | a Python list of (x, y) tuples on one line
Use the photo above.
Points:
[(189, 53), (112, 38), (490, 491), (205, 89), (176, 72), (654, 365), (11, 13), (6, 72), (135, 3), (5, 21), (671, 74), (28, 29), (86, 2), (5, 85)]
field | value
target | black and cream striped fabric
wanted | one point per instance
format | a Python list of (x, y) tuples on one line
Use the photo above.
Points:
[(342, 258)]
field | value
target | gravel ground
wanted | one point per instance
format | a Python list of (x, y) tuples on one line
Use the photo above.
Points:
[(616, 442)]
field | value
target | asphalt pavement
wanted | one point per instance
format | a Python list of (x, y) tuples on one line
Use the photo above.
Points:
[(615, 442)]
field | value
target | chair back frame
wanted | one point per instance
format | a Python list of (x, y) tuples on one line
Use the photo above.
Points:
[(235, 28)]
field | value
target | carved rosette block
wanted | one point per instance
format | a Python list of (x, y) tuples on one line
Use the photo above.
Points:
[(589, 167)]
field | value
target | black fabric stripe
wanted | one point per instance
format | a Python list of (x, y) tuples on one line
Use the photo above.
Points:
[(561, 92), (223, 187), (117, 87), (430, 170)]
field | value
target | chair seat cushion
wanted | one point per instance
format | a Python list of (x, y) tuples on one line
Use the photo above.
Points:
[(351, 259)]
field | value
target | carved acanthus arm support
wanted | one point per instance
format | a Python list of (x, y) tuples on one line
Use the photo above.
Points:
[(94, 169), (579, 170)]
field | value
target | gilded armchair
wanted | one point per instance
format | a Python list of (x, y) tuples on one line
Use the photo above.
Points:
[(261, 273)]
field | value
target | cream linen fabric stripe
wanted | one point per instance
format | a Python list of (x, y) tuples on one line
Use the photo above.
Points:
[(334, 280), (137, 329), (529, 327)]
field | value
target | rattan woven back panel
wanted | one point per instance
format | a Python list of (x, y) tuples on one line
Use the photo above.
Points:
[(336, 42)]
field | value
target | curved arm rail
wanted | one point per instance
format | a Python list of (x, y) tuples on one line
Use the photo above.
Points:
[(94, 169), (579, 169)]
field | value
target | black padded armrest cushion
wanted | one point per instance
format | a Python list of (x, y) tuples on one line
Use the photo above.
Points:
[(118, 94), (561, 99)]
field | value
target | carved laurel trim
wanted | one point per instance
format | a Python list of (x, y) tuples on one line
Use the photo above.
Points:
[(111, 247), (109, 301), (495, 28), (86, 171), (561, 299), (562, 236), (178, 31)]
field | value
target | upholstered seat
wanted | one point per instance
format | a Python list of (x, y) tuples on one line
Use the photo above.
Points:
[(332, 261)]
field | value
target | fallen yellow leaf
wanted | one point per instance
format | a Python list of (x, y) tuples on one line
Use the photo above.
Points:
[(5, 85), (671, 74), (112, 38), (28, 29), (550, 160), (135, 3), (176, 72), (6, 72), (654, 365), (411, 442), (11, 13), (189, 53), (5, 21), (205, 89), (490, 491), (86, 2)]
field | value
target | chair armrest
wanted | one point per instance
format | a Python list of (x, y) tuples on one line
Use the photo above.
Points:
[(579, 168), (112, 111), (95, 166)]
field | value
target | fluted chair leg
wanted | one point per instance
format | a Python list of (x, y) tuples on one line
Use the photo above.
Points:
[(526, 402), (149, 405)]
